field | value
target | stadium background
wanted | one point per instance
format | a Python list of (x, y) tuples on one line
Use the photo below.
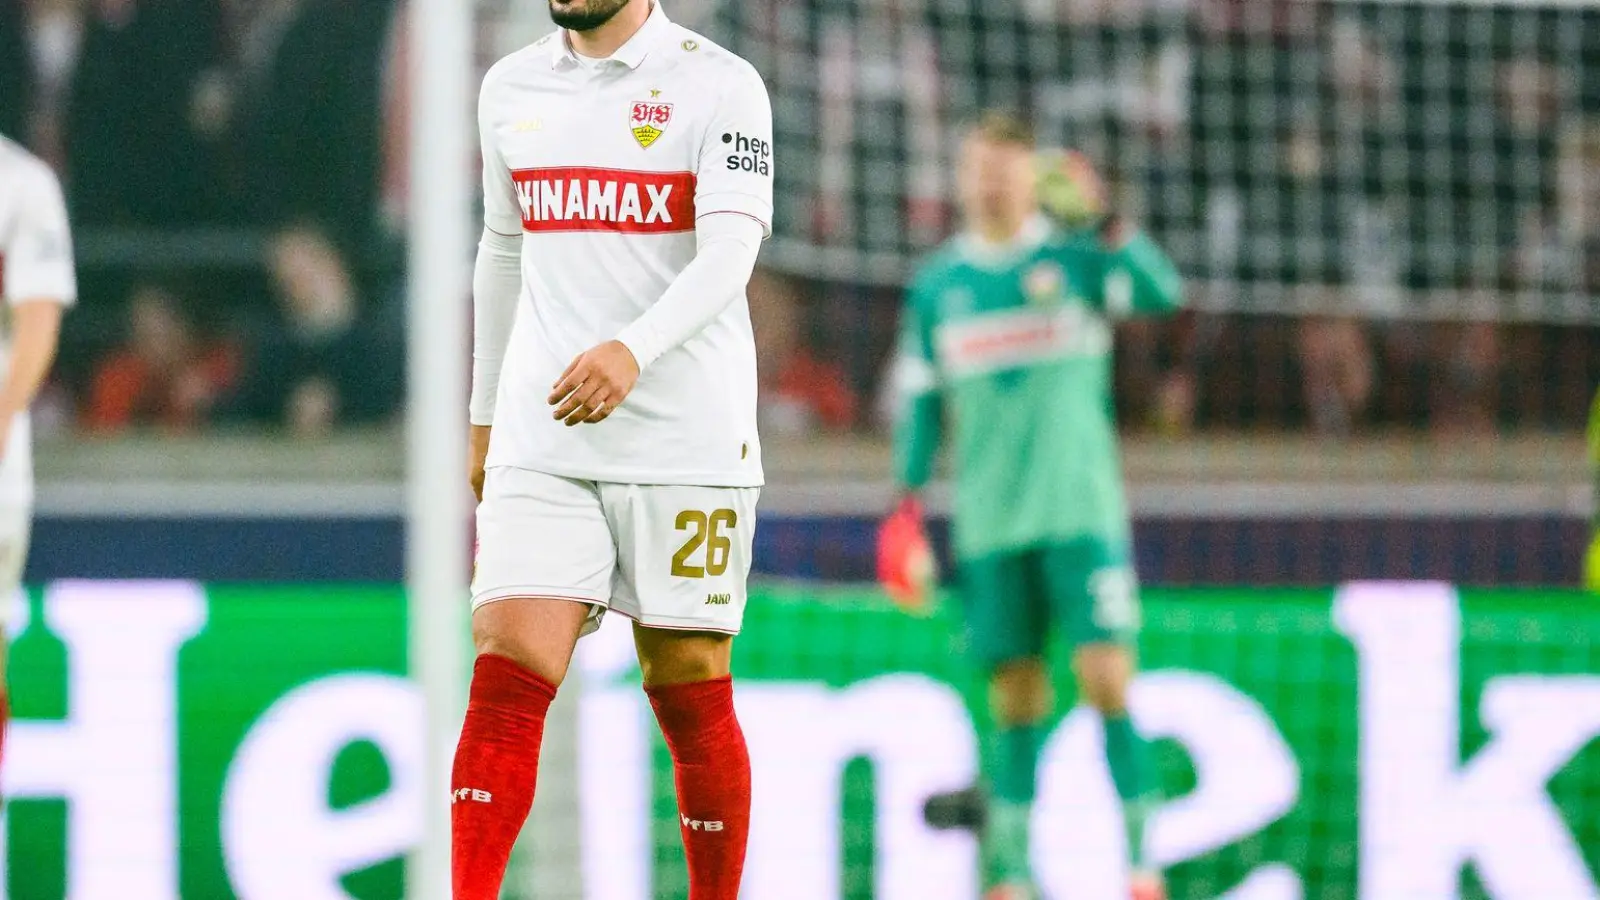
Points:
[(1389, 213)]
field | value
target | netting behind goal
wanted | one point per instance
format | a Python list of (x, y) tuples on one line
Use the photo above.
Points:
[(1429, 168), (1402, 150)]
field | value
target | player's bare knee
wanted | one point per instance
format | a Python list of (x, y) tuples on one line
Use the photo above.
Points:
[(541, 661), (1104, 672), (1020, 692), (677, 657)]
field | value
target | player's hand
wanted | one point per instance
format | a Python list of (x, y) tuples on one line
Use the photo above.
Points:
[(906, 565), (1070, 191), (477, 452), (594, 384)]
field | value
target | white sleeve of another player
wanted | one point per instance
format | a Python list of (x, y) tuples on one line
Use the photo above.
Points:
[(497, 276), (727, 246), (735, 164), (38, 258)]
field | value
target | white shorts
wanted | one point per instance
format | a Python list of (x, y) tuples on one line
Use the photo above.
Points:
[(666, 556)]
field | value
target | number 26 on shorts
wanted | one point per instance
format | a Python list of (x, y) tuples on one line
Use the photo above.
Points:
[(707, 530)]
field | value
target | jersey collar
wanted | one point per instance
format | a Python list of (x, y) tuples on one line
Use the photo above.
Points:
[(1034, 233), (630, 54)]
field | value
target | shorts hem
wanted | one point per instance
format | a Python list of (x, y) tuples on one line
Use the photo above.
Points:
[(534, 592), (675, 623)]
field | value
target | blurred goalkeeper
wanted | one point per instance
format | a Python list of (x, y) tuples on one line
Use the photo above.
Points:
[(1007, 332)]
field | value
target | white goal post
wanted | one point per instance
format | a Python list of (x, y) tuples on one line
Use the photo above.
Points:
[(438, 306)]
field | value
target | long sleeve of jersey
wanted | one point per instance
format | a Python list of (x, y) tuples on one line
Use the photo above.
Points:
[(725, 256), (496, 283), (1140, 279), (919, 424), (496, 277)]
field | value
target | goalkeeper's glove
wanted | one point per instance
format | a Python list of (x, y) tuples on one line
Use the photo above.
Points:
[(1070, 192), (906, 565)]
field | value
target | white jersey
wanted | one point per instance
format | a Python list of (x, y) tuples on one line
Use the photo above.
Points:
[(35, 264), (603, 167)]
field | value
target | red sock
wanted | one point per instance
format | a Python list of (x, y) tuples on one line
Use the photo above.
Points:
[(712, 769), (492, 781)]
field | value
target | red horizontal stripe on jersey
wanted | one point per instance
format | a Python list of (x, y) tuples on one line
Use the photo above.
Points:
[(580, 198)]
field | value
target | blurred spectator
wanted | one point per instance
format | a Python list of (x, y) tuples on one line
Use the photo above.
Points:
[(1558, 265), (799, 393), (1530, 102), (312, 106), (1341, 253), (1317, 264), (1503, 189), (882, 139), (394, 185), (1560, 251), (166, 375), (1157, 373), (137, 149), (55, 31), (325, 361)]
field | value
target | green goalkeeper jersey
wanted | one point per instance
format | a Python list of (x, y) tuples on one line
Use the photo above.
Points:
[(1012, 344)]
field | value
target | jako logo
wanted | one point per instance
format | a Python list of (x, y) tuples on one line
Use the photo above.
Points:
[(473, 794), (697, 825), (750, 154)]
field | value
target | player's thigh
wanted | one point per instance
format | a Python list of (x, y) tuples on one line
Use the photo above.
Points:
[(544, 548), (1093, 591), (683, 554), (1003, 607), (668, 656)]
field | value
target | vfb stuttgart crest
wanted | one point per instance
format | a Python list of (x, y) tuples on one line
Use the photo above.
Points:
[(648, 120)]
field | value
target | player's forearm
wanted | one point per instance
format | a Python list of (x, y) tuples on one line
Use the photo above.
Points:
[(36, 326), (715, 278), (916, 441), (496, 283), (1149, 281)]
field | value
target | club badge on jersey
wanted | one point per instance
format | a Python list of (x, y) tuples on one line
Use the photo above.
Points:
[(648, 121)]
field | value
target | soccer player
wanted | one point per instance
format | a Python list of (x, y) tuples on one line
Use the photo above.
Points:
[(1007, 335), (627, 168), (37, 283)]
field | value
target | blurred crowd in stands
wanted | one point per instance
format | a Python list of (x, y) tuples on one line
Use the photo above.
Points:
[(226, 163), (1389, 213)]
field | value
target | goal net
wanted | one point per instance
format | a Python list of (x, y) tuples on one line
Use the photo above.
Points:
[(1380, 157)]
